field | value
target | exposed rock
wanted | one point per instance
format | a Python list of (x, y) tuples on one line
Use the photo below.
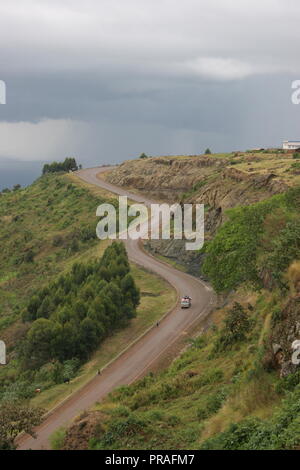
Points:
[(164, 177), (284, 334), (198, 180), (175, 250), (287, 368), (276, 348)]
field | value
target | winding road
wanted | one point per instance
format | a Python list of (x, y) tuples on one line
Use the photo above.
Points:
[(147, 350)]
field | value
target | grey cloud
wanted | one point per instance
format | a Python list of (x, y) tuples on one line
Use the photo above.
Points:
[(107, 80)]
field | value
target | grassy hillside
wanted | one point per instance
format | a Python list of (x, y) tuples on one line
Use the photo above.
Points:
[(44, 228), (47, 236), (235, 387)]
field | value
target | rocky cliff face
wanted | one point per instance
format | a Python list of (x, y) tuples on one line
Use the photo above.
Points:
[(165, 177), (175, 251), (207, 180), (285, 331), (233, 188)]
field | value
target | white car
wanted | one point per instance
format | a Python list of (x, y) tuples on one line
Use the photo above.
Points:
[(186, 302)]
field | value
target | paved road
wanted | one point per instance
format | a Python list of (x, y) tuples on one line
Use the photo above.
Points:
[(139, 358)]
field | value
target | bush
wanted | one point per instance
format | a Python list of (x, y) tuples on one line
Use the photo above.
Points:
[(295, 166), (57, 439), (282, 431), (123, 428), (236, 326), (253, 243), (288, 383), (69, 164), (230, 257)]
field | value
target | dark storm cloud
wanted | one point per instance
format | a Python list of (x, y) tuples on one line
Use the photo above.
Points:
[(107, 80)]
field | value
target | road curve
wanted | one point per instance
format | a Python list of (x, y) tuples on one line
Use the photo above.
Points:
[(142, 355)]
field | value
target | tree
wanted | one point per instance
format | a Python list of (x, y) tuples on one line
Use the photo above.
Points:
[(143, 155), (236, 326), (88, 334), (41, 341), (16, 418), (29, 256), (130, 290), (32, 308), (69, 164), (207, 152)]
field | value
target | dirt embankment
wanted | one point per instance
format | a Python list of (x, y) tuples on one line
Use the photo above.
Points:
[(208, 180), (164, 177)]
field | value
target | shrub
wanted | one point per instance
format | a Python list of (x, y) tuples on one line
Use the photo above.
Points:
[(236, 326), (282, 431), (69, 164), (57, 439), (252, 243)]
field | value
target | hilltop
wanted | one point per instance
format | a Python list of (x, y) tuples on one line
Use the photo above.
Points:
[(171, 177), (220, 182)]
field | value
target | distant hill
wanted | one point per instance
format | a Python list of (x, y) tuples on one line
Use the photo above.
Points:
[(17, 172)]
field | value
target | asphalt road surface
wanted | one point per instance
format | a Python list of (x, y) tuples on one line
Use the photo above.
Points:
[(141, 356)]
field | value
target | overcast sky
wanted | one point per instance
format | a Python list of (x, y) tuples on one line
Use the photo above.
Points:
[(104, 80)]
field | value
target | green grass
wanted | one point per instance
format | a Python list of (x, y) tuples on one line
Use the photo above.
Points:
[(197, 397), (57, 439), (43, 222), (46, 218), (260, 237)]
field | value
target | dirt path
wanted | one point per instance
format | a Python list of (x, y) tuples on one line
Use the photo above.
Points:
[(139, 358)]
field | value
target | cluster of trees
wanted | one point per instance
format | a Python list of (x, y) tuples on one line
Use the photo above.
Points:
[(16, 187), (74, 314), (69, 164)]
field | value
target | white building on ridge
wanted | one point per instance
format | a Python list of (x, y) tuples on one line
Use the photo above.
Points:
[(291, 144)]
